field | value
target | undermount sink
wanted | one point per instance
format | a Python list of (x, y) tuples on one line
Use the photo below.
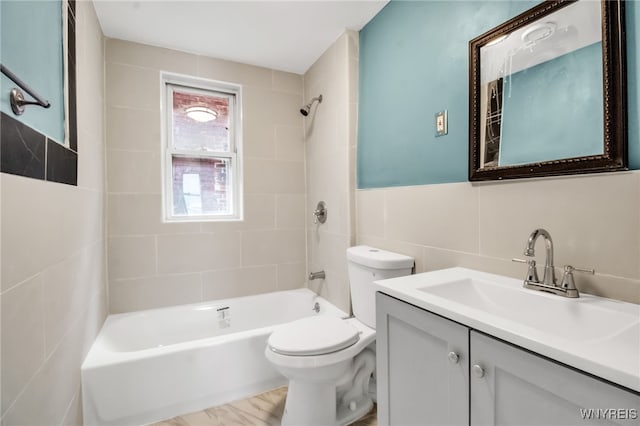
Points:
[(597, 335)]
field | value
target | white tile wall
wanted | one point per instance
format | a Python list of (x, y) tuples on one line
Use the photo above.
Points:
[(330, 133), (53, 292), (154, 264), (594, 221)]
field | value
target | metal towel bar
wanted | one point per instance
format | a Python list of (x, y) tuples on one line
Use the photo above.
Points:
[(17, 98)]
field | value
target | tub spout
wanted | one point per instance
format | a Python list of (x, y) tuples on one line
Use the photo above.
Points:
[(316, 276)]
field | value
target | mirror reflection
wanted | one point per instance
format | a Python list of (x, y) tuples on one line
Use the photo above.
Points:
[(541, 90)]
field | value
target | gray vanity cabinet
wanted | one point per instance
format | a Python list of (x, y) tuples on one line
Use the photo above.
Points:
[(485, 382), (420, 381), (511, 386)]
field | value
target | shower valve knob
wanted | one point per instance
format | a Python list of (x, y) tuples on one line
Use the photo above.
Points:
[(320, 213)]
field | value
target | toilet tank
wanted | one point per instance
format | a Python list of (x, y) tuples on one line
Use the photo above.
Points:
[(366, 265)]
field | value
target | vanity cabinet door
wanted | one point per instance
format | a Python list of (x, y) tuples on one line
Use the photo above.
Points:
[(511, 386), (420, 381)]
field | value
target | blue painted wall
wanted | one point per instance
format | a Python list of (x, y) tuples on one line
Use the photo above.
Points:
[(31, 39), (414, 63), (535, 130)]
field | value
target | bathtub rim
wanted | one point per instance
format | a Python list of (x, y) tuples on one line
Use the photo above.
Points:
[(100, 355)]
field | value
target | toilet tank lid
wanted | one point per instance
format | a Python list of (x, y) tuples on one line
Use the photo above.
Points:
[(378, 258)]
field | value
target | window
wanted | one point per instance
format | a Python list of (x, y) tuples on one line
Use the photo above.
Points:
[(201, 150)]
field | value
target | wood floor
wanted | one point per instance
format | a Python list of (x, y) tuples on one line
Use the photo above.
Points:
[(261, 410)]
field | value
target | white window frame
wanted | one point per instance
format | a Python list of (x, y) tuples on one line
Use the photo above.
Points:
[(169, 81)]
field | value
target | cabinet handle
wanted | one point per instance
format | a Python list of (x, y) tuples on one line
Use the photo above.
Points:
[(478, 371), (453, 357)]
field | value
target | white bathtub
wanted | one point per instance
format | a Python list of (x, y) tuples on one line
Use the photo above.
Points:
[(152, 365)]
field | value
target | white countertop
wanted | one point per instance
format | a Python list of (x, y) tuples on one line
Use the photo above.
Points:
[(594, 334)]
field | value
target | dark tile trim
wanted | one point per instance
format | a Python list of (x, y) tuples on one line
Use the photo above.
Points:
[(27, 152), (23, 149), (62, 164)]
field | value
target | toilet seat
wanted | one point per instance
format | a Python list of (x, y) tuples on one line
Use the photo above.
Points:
[(316, 335)]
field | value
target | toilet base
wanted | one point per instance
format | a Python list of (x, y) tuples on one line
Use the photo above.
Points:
[(314, 405), (340, 401)]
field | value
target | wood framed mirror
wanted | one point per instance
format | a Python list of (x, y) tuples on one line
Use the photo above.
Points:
[(547, 92)]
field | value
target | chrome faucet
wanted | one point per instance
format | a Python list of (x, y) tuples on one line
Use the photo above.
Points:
[(316, 275), (567, 287), (549, 276)]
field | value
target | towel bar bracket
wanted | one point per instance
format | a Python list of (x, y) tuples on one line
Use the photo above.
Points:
[(16, 97), (18, 103)]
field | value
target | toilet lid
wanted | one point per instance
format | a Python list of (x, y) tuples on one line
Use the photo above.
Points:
[(315, 335)]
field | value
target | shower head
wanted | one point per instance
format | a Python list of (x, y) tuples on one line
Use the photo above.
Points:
[(307, 108)]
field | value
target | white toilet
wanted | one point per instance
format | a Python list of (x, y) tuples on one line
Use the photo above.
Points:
[(328, 360)]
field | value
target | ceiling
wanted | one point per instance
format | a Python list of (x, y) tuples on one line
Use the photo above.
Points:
[(283, 35)]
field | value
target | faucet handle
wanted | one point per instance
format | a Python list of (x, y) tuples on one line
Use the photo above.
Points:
[(569, 269), (532, 271), (568, 283)]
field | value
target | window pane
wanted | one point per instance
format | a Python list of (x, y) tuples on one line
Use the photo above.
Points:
[(200, 121), (201, 186)]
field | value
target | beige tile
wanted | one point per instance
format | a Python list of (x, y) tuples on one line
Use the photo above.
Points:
[(258, 122), (433, 215), (437, 258), (287, 82), (286, 108), (238, 282), (73, 416), (353, 126), (153, 292), (234, 72), (353, 79), (68, 288), (290, 211), (91, 169), (198, 252), (133, 129), (259, 248), (370, 212), (41, 229), (259, 211), (328, 252), (320, 70), (23, 349), (593, 220), (258, 139), (617, 288), (90, 75), (272, 247), (353, 44), (133, 87), (131, 257), (291, 275), (269, 177), (133, 172), (126, 52), (289, 143), (46, 398), (141, 214)]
